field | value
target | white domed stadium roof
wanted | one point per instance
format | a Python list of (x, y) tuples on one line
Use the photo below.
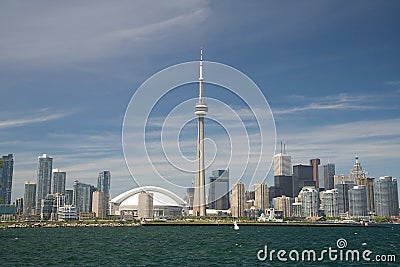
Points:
[(161, 197)]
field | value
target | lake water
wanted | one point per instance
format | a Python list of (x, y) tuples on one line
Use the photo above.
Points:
[(191, 245)]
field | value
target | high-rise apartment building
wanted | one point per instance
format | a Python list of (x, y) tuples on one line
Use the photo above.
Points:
[(145, 205), (358, 201), (6, 176), (330, 202), (386, 197), (238, 200), (261, 198), (343, 197), (369, 184), (59, 180), (98, 204), (219, 190), (43, 185), (29, 199), (309, 201), (103, 185), (284, 204), (83, 194), (69, 196)]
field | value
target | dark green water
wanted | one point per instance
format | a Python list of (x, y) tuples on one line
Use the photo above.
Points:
[(186, 245)]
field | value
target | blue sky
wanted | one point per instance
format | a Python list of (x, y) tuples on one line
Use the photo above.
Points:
[(330, 71)]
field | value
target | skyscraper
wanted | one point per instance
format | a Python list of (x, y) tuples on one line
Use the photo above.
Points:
[(98, 204), (330, 202), (237, 200), (6, 176), (200, 110), (314, 163), (103, 185), (83, 196), (282, 163), (261, 198), (43, 185), (358, 201), (343, 197), (219, 190), (29, 198), (309, 201), (283, 181), (302, 176), (59, 179), (326, 174), (284, 204), (356, 172), (386, 197), (145, 205)]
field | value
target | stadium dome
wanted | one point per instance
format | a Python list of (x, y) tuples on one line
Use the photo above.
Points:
[(165, 202)]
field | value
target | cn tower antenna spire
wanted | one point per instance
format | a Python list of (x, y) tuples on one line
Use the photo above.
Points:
[(200, 110), (201, 75)]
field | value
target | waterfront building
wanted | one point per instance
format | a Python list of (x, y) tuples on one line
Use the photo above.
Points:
[(165, 202), (302, 176), (98, 204), (46, 207), (201, 109), (30, 199), (261, 198), (82, 197), (43, 185), (386, 197), (103, 185), (326, 175), (309, 201), (219, 190), (297, 209), (145, 205), (67, 213), (59, 180), (329, 201), (314, 164), (358, 201), (284, 204), (238, 200), (6, 177)]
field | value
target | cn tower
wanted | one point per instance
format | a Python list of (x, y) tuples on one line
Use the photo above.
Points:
[(200, 110)]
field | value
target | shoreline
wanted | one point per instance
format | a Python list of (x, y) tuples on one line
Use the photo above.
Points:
[(263, 224), (181, 223)]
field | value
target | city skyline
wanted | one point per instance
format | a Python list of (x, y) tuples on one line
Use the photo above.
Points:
[(330, 74)]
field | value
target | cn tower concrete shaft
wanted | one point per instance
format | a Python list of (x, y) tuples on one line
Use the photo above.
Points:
[(200, 110)]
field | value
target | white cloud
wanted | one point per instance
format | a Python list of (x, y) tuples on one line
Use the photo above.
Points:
[(344, 102), (43, 115)]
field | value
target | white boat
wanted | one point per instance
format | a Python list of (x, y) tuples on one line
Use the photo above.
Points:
[(235, 226)]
